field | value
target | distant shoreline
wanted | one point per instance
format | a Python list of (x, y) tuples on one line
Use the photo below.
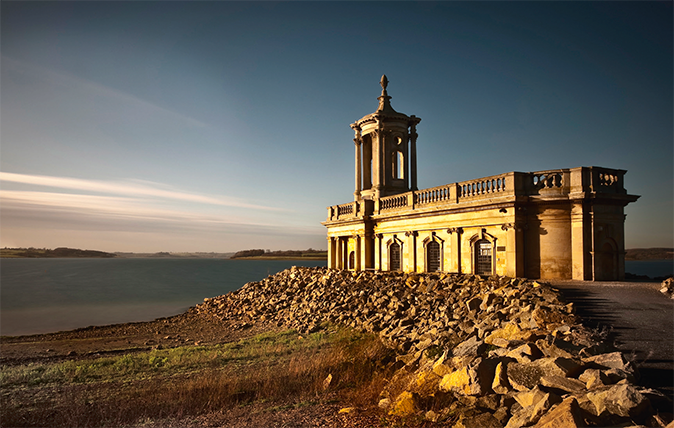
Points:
[(635, 254), (320, 258)]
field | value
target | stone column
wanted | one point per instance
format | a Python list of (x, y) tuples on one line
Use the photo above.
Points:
[(331, 252), (412, 244), (356, 258), (340, 253), (357, 141), (458, 231), (413, 154), (378, 150), (581, 251)]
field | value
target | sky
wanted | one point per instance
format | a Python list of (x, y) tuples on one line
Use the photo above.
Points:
[(221, 126)]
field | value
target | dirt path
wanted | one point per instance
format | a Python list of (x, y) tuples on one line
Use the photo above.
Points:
[(637, 316)]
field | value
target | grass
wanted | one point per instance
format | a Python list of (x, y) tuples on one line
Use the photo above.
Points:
[(193, 380)]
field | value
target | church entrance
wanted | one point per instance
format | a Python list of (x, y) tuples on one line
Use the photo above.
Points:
[(483, 262)]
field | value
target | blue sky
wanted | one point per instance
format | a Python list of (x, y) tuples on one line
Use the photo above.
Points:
[(219, 126)]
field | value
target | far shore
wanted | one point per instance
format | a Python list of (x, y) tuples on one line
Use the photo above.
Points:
[(280, 258)]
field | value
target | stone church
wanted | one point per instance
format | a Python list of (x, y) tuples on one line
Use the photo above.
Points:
[(557, 224)]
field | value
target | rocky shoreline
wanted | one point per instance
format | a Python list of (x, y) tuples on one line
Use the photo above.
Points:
[(481, 352)]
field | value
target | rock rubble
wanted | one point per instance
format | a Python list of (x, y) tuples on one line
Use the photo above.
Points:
[(475, 351), (668, 287)]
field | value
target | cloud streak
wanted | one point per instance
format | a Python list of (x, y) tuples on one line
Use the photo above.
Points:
[(127, 189), (95, 88)]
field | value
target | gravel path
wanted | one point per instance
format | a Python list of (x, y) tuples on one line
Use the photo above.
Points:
[(637, 317)]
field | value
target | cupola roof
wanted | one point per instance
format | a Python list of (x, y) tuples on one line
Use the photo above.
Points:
[(384, 111)]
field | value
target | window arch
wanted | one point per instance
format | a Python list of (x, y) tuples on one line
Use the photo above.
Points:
[(352, 260), (395, 256), (483, 249), (433, 256)]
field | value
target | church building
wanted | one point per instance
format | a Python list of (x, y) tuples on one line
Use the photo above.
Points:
[(558, 224)]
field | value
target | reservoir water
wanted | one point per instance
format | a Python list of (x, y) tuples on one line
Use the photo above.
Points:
[(47, 295)]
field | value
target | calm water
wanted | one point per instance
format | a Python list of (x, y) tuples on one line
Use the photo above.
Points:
[(652, 268), (46, 295)]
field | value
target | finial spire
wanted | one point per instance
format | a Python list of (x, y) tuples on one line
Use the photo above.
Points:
[(384, 103)]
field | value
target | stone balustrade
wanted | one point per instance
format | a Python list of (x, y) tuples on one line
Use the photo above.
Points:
[(433, 195), (483, 186), (392, 202)]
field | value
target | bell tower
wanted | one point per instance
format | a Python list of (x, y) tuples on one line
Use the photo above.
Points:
[(386, 151)]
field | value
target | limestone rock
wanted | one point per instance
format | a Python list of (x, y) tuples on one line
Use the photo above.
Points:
[(567, 414), (405, 405), (613, 360), (462, 381), (562, 383), (500, 384), (526, 353), (481, 420), (498, 335), (621, 400), (472, 346)]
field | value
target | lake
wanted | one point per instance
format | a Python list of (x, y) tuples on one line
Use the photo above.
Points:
[(47, 295), (651, 268)]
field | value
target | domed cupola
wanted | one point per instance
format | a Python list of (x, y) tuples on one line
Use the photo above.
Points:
[(385, 141)]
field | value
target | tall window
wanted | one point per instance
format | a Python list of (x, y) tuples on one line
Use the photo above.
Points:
[(398, 166), (352, 260), (394, 254), (483, 261), (433, 256)]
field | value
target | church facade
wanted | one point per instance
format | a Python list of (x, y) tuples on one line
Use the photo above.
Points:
[(555, 224)]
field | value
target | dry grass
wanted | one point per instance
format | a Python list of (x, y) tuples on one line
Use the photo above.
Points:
[(190, 381)]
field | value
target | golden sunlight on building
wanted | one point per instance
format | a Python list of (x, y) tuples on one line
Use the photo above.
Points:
[(556, 224)]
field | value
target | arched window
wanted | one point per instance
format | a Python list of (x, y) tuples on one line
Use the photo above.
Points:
[(398, 165), (433, 256), (483, 257), (352, 260), (394, 254)]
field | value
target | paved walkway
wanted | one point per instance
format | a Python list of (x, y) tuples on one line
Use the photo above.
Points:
[(640, 320)]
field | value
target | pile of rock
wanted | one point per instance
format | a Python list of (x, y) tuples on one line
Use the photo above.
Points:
[(668, 287), (483, 352)]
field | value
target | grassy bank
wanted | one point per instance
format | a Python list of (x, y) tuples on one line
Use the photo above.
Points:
[(172, 384)]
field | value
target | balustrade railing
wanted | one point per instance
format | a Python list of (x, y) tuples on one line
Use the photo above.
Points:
[(432, 195), (483, 186), (345, 209), (607, 179), (392, 202), (547, 179)]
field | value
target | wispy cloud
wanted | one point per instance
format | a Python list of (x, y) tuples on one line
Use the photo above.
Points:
[(127, 189), (110, 207), (62, 78)]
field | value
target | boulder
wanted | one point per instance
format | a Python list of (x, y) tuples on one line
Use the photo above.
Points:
[(463, 381), (472, 346), (405, 405), (500, 384), (566, 414), (620, 400)]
